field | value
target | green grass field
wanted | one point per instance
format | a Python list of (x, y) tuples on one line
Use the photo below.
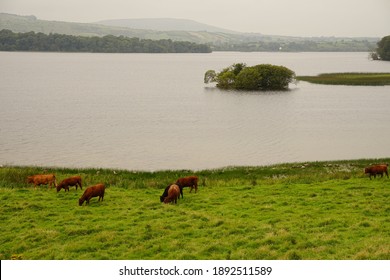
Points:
[(314, 210), (353, 79)]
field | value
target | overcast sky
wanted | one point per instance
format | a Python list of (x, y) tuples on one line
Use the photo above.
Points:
[(348, 18)]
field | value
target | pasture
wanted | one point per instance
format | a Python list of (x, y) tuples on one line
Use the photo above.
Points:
[(313, 210)]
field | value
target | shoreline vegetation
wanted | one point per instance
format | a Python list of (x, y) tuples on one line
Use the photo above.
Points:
[(352, 79), (40, 42), (325, 210)]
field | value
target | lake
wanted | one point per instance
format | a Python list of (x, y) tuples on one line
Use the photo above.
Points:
[(153, 111)]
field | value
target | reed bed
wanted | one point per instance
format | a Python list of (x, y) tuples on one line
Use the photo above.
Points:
[(352, 79)]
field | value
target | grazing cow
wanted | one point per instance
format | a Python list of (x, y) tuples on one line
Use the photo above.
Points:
[(45, 179), (173, 194), (92, 191), (190, 181), (69, 182), (373, 170), (165, 193)]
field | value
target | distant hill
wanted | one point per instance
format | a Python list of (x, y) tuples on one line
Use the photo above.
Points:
[(165, 24), (22, 24), (219, 39)]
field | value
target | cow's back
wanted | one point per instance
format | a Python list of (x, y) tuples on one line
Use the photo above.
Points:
[(42, 179), (187, 181), (71, 181), (173, 194)]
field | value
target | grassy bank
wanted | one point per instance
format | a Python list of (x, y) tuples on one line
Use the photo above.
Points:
[(353, 79), (315, 210)]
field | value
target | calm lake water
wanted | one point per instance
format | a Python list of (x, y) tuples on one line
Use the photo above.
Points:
[(153, 112)]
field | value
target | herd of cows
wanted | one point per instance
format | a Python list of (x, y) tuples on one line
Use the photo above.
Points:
[(171, 193), (50, 179)]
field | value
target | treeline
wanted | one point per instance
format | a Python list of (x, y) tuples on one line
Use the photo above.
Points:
[(299, 46), (31, 41)]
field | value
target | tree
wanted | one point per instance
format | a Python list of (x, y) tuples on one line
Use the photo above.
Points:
[(237, 67), (258, 77), (209, 76), (248, 79), (226, 80), (383, 49)]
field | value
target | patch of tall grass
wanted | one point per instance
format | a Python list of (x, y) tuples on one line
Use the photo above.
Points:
[(353, 79)]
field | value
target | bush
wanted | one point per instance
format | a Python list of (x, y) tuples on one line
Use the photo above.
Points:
[(259, 77), (383, 49)]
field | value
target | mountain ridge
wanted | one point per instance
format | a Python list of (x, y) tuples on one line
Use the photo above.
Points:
[(21, 24), (165, 24)]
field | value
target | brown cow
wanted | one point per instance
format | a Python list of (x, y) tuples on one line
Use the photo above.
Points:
[(173, 194), (92, 191), (42, 179), (190, 181), (373, 170), (69, 182)]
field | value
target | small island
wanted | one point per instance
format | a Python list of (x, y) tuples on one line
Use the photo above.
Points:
[(255, 78), (352, 79)]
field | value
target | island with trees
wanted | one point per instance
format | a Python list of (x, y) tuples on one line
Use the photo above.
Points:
[(254, 78)]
